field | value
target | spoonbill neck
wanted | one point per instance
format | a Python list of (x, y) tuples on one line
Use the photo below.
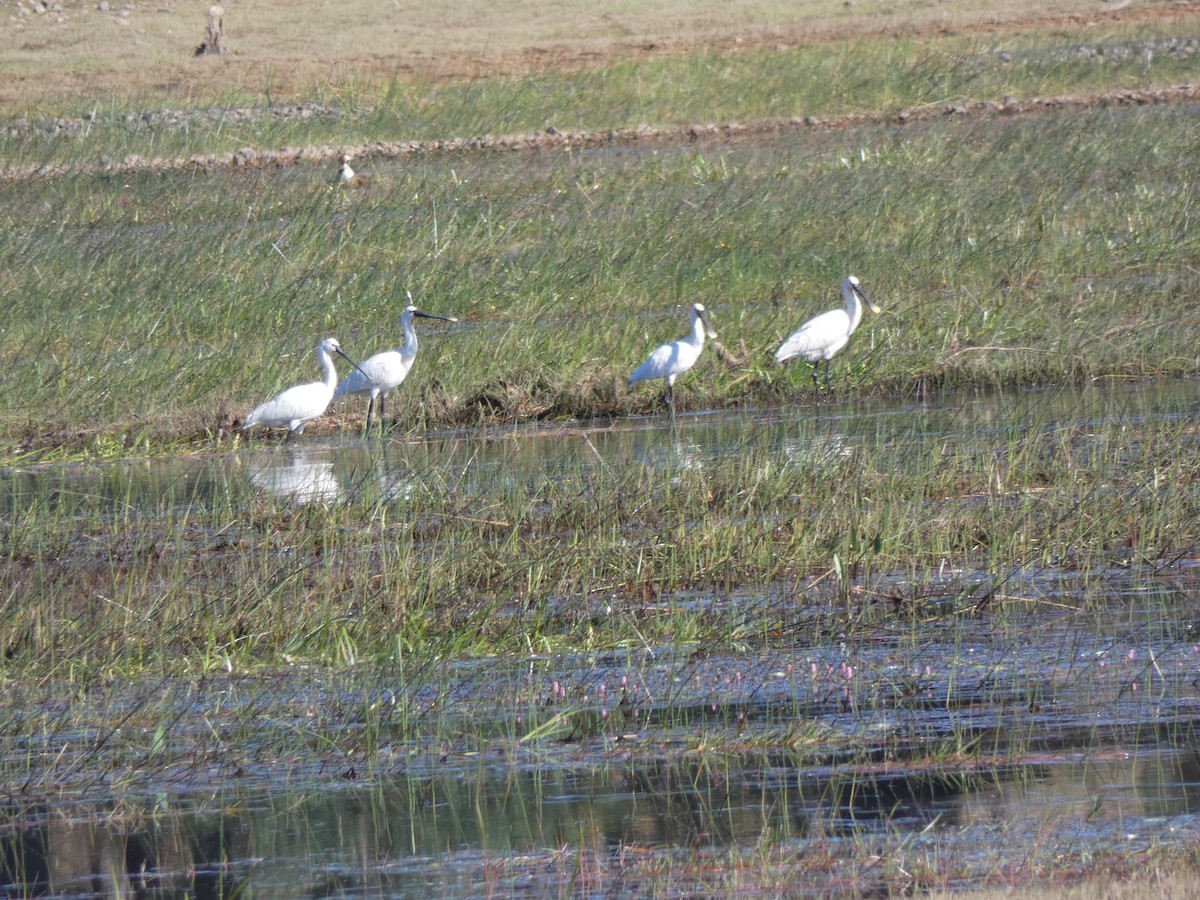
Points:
[(409, 350), (326, 360), (854, 306)]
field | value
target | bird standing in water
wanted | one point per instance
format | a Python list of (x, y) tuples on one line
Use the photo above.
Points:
[(383, 371), (822, 337), (671, 360), (299, 405)]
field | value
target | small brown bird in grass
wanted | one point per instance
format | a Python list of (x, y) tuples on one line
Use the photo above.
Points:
[(347, 177)]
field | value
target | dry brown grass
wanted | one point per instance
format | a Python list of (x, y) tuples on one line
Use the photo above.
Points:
[(137, 50)]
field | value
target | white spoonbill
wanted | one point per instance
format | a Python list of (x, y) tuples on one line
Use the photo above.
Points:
[(384, 371), (299, 405), (822, 337), (673, 359)]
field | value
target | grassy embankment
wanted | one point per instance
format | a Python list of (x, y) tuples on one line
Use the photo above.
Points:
[(158, 307)]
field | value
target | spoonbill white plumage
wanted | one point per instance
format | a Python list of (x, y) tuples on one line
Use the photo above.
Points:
[(384, 371), (820, 338), (299, 405), (673, 359)]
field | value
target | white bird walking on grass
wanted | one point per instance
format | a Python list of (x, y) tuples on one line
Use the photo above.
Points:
[(384, 371), (671, 360), (299, 405), (822, 337)]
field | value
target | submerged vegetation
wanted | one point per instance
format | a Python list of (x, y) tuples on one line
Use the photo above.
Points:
[(970, 562), (909, 605), (426, 551)]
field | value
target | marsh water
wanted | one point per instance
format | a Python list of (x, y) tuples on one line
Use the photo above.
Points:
[(313, 470), (1104, 709)]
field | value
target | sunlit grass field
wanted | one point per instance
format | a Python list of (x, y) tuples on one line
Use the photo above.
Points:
[(150, 310), (151, 303), (155, 309), (84, 56)]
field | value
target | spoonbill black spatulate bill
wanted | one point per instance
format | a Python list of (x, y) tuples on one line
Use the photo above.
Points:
[(385, 371), (671, 360), (821, 338), (299, 405)]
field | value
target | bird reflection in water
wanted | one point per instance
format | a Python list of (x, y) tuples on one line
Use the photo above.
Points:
[(296, 473)]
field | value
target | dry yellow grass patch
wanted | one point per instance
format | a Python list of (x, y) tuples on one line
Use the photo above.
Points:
[(80, 52)]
